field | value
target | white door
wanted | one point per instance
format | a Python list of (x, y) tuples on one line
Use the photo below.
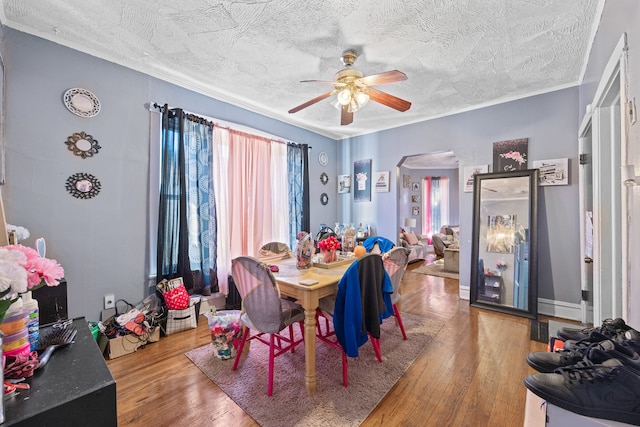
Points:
[(602, 134)]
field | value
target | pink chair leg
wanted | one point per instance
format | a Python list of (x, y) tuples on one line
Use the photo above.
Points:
[(293, 346), (396, 312), (375, 342), (271, 359), (345, 370), (239, 354)]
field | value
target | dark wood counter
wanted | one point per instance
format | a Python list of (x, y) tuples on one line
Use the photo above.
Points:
[(75, 388)]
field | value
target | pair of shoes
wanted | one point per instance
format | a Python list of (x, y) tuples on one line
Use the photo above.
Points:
[(609, 390), (610, 328), (585, 352)]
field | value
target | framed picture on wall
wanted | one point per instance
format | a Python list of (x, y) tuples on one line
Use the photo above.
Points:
[(362, 174), (510, 155), (382, 182), (415, 211), (552, 172), (406, 181), (415, 199), (344, 184), (415, 187), (469, 172)]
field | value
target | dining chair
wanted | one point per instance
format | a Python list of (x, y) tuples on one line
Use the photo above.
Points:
[(395, 263), (362, 302), (274, 251), (383, 244), (264, 311)]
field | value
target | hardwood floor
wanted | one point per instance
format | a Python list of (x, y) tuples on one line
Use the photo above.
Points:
[(470, 375)]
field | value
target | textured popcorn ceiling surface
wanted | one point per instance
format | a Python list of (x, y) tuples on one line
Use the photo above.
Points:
[(458, 54)]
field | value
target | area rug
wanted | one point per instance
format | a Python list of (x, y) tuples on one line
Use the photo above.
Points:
[(333, 404), (436, 269)]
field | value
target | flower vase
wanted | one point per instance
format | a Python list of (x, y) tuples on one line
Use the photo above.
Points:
[(304, 251), (334, 255), (326, 255)]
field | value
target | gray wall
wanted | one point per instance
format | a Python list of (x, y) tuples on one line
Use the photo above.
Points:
[(550, 123), (101, 242)]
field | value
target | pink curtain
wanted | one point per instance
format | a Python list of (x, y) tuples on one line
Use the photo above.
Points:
[(243, 196), (249, 193), (435, 204), (426, 207)]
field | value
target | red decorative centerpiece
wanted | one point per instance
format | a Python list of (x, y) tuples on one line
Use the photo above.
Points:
[(328, 248)]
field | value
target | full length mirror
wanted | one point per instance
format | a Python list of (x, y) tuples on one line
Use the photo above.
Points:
[(503, 255)]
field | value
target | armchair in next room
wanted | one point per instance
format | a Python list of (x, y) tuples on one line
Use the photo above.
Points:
[(416, 243)]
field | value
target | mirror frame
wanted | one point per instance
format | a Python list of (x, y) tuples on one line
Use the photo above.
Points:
[(532, 310)]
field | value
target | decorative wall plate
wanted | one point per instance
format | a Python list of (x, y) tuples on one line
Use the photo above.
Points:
[(324, 198), (83, 185), (323, 159), (81, 102), (82, 144), (324, 178)]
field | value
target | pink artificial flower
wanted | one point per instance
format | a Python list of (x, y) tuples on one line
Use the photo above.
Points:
[(39, 269), (49, 270)]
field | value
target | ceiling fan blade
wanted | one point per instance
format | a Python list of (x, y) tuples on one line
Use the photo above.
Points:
[(311, 102), (318, 81), (346, 118), (388, 100), (382, 78)]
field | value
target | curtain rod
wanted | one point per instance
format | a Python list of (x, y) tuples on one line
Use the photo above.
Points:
[(215, 123)]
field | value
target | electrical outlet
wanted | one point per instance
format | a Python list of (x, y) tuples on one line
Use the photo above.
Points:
[(109, 301)]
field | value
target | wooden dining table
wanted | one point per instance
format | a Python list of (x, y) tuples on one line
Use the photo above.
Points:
[(288, 278)]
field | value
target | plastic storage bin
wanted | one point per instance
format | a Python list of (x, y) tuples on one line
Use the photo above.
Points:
[(226, 332), (14, 323), (21, 351), (17, 340)]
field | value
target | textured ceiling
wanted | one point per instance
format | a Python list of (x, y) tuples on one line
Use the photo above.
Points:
[(457, 54)]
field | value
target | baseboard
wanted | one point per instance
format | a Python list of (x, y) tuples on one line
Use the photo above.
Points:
[(560, 309)]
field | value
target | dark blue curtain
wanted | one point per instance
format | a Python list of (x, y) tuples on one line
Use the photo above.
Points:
[(299, 206), (186, 226)]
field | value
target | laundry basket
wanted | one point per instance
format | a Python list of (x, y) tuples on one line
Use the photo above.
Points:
[(226, 332)]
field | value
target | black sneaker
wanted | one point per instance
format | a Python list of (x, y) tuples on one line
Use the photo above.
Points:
[(629, 338), (609, 328), (609, 390), (588, 353)]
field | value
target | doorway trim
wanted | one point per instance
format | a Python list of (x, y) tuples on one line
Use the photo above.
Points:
[(604, 127)]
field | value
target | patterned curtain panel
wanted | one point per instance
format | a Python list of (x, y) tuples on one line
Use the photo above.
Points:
[(298, 168), (201, 203)]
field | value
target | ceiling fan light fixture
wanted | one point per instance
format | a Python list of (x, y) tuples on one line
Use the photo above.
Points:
[(362, 98), (344, 96)]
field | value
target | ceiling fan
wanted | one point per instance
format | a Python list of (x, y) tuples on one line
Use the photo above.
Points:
[(353, 90)]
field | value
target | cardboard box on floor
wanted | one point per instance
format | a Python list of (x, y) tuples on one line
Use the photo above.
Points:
[(539, 413), (216, 300), (125, 344)]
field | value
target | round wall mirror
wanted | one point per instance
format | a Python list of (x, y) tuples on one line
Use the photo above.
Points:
[(324, 178), (83, 185), (82, 144)]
